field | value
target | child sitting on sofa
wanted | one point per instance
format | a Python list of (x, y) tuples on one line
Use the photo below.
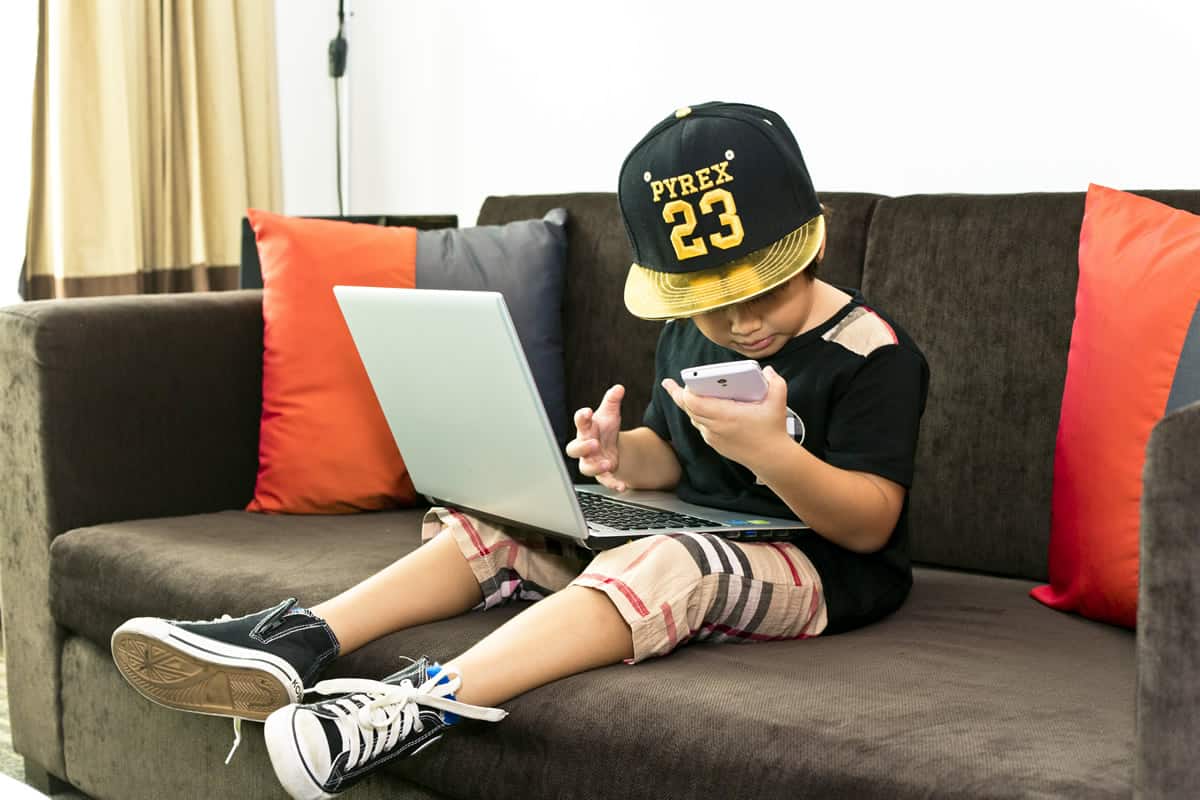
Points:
[(727, 233)]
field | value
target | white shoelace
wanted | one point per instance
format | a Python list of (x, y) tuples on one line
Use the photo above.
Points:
[(237, 738), (237, 722), (376, 715)]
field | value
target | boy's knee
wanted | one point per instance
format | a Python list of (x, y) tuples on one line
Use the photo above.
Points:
[(647, 561)]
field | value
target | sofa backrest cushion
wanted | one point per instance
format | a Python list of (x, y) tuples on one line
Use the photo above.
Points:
[(324, 446), (986, 286), (1139, 285), (603, 343)]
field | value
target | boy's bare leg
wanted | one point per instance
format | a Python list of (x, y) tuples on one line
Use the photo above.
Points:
[(433, 582), (570, 631)]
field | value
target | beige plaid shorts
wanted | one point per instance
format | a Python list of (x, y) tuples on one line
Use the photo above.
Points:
[(671, 588)]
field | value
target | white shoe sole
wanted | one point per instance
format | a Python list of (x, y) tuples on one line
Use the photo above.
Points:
[(182, 670), (293, 774)]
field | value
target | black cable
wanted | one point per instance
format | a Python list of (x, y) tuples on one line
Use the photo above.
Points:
[(337, 126), (338, 47)]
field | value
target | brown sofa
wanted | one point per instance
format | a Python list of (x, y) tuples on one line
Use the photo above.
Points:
[(128, 446)]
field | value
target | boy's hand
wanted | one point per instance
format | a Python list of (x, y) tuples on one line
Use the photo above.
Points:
[(595, 442), (740, 431)]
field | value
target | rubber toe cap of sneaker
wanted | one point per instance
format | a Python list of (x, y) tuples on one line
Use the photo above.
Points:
[(299, 752)]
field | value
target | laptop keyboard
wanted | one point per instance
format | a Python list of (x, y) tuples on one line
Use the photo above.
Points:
[(625, 517)]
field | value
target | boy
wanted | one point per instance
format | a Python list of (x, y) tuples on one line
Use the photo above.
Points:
[(726, 231)]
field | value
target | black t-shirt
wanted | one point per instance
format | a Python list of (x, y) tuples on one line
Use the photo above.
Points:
[(858, 382)]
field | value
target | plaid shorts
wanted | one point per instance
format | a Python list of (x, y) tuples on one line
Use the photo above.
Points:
[(670, 588)]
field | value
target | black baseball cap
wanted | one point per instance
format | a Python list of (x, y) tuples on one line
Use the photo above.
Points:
[(719, 207)]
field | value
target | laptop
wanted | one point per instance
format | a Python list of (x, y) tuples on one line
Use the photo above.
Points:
[(457, 392)]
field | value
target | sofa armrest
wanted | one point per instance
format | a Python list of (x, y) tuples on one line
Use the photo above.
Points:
[(143, 406), (114, 408), (1168, 632)]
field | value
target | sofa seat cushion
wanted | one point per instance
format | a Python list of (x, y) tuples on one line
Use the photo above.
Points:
[(971, 689), (204, 565)]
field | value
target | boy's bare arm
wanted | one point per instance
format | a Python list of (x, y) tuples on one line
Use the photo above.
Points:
[(646, 461), (856, 510)]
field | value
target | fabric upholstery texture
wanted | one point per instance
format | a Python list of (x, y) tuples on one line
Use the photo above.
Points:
[(31, 638), (95, 433), (1168, 635), (250, 268), (324, 446), (986, 285), (95, 705), (524, 260), (972, 688), (1185, 387), (1139, 290), (217, 561), (147, 409)]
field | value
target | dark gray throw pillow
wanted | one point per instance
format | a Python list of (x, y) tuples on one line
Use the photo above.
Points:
[(525, 261)]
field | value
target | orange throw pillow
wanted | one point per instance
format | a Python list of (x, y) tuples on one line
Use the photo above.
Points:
[(1138, 296), (324, 445)]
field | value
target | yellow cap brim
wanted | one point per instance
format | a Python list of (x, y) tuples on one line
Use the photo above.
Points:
[(651, 294)]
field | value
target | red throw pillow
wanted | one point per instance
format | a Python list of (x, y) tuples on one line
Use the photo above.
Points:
[(1139, 286), (324, 445)]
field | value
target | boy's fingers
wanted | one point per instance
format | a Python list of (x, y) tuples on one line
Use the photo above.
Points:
[(606, 479), (705, 408), (614, 396), (601, 470), (673, 390), (580, 448), (598, 462), (591, 467), (693, 404), (775, 381)]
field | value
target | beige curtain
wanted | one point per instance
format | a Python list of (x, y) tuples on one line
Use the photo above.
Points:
[(155, 127)]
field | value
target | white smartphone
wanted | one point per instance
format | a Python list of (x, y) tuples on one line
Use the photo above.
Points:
[(732, 380)]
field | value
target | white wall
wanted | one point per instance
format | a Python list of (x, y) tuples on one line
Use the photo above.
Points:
[(17, 61), (303, 29), (453, 101), (449, 102)]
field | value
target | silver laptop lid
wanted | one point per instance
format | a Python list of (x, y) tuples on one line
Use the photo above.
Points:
[(449, 372)]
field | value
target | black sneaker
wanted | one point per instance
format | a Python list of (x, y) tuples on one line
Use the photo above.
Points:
[(244, 667), (320, 749)]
